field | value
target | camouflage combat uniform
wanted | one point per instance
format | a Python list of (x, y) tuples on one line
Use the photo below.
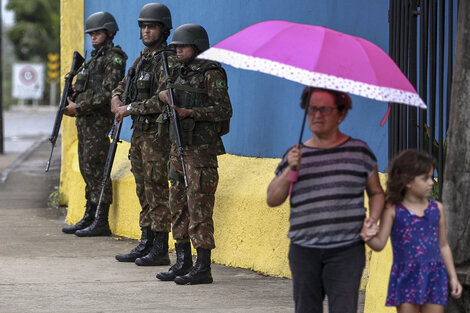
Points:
[(93, 86), (149, 152), (202, 87)]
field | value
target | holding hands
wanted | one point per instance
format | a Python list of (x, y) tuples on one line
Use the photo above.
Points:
[(369, 229)]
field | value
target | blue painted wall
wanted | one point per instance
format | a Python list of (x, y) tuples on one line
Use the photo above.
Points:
[(267, 118)]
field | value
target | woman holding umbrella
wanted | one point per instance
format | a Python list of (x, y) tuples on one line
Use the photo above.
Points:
[(326, 254)]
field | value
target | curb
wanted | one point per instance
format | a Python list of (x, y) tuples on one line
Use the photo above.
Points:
[(23, 156)]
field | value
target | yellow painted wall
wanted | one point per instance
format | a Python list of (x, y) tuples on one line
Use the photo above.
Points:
[(248, 233), (376, 275), (71, 39), (376, 290)]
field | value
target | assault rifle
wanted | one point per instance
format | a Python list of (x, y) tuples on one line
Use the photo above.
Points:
[(174, 115), (76, 65), (115, 133)]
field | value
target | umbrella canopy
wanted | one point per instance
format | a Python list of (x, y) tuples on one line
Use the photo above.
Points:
[(319, 57)]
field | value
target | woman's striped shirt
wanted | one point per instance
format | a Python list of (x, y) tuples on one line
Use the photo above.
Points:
[(327, 201)]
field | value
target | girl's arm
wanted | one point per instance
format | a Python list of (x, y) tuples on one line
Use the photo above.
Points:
[(454, 284), (378, 242), (376, 195)]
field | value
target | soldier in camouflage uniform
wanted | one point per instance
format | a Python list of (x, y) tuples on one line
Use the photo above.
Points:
[(203, 105), (90, 104), (149, 152)]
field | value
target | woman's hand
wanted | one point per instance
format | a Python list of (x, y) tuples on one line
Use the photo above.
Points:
[(293, 158), (369, 229)]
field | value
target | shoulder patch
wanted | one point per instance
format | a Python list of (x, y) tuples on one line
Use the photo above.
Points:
[(221, 83), (170, 65), (117, 60)]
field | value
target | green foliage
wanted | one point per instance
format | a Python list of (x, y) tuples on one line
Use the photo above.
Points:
[(37, 28), (54, 199), (8, 59), (435, 191), (435, 146)]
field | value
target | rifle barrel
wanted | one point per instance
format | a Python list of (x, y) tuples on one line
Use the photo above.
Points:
[(76, 64), (174, 118), (115, 136)]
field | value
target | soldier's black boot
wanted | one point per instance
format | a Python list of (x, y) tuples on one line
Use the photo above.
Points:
[(99, 227), (158, 254), (86, 220), (201, 272), (145, 244), (183, 264)]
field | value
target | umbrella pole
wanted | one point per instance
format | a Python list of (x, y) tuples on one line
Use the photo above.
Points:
[(294, 173), (306, 104), (303, 126)]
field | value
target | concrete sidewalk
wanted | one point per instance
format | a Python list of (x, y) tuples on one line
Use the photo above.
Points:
[(45, 270)]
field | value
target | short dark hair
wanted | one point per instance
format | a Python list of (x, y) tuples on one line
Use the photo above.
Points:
[(342, 100), (404, 168)]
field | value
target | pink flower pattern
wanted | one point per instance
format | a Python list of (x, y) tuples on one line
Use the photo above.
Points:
[(418, 272), (309, 78)]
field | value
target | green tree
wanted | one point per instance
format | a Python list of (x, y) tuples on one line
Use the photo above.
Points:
[(36, 32)]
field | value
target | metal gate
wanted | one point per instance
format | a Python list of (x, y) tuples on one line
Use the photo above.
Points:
[(422, 44)]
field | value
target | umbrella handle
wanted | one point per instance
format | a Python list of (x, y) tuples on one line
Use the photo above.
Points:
[(384, 119), (293, 177), (294, 174)]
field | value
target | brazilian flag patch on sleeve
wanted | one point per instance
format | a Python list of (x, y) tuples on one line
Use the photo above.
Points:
[(221, 83), (170, 65), (117, 60)]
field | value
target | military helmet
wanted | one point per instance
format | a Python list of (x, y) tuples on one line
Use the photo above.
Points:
[(191, 34), (155, 12), (101, 20)]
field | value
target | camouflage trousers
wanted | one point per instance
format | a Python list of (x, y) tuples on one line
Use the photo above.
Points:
[(192, 207), (93, 146), (149, 160)]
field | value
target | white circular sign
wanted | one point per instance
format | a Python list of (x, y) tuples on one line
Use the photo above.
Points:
[(28, 75), (28, 80)]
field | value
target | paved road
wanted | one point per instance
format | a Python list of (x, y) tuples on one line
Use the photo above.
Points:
[(23, 125), (45, 270), (23, 129)]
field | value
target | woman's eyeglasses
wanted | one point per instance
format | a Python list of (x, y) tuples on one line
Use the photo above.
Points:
[(323, 110)]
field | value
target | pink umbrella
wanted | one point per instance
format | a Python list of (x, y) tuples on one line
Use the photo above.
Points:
[(317, 56)]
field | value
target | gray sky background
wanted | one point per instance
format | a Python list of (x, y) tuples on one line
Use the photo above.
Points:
[(7, 16)]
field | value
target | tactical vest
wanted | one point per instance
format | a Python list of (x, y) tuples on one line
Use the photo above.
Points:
[(91, 76), (191, 92), (146, 87)]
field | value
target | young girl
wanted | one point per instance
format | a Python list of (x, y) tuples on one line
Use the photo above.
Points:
[(423, 266)]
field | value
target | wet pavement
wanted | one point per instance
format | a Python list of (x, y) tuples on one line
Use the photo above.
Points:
[(45, 270)]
